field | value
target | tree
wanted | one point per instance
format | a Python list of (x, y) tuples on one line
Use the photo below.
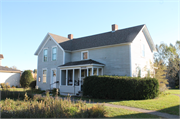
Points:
[(160, 74), (170, 57), (13, 67), (35, 71), (26, 79)]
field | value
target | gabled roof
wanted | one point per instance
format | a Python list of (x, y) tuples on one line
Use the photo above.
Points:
[(59, 39), (120, 36), (6, 69), (82, 62), (126, 35)]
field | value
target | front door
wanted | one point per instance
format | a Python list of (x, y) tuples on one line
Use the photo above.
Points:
[(53, 79)]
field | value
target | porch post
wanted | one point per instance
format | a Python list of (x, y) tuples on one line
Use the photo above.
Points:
[(73, 77), (92, 71), (66, 77), (60, 78), (97, 71), (80, 79), (102, 71), (87, 72)]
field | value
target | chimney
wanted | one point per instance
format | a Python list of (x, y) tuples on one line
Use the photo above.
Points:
[(114, 27), (70, 36), (1, 57)]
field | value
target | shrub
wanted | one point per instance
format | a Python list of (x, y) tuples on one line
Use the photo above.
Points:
[(14, 95), (116, 87), (26, 79), (33, 84), (13, 86), (5, 85)]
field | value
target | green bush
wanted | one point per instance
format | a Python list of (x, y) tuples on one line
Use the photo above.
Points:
[(26, 79), (116, 87), (33, 84)]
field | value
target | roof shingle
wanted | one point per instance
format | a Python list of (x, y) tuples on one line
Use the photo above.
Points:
[(82, 62), (8, 69), (109, 38), (59, 39)]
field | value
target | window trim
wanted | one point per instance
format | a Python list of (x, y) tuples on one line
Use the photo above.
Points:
[(52, 53), (82, 55), (43, 54), (46, 74)]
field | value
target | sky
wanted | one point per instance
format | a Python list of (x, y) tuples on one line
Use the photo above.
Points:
[(25, 23)]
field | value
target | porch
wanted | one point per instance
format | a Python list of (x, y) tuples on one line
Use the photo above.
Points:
[(72, 76)]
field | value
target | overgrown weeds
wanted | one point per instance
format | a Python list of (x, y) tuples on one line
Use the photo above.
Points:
[(49, 107)]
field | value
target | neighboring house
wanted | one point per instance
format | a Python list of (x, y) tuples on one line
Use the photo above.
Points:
[(124, 52), (9, 75)]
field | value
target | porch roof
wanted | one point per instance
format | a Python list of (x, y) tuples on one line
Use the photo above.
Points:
[(82, 62)]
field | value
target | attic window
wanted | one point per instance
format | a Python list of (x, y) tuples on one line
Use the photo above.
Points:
[(84, 55)]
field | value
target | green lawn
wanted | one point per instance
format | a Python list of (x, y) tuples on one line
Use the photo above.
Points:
[(124, 113), (173, 91), (168, 104)]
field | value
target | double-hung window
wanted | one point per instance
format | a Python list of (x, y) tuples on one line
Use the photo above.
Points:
[(84, 55), (44, 75), (45, 55), (54, 52)]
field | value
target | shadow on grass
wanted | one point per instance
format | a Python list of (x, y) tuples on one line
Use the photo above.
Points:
[(92, 100), (171, 110), (151, 114)]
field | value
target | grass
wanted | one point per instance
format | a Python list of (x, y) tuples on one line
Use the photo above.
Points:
[(124, 113), (17, 89), (166, 103), (173, 91)]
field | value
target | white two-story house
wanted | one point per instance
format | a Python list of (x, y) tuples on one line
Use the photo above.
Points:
[(122, 52)]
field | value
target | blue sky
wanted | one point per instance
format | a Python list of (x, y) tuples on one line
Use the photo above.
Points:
[(24, 23)]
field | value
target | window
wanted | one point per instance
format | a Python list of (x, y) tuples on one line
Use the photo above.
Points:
[(84, 55), (143, 50), (39, 79), (82, 73), (44, 76), (45, 55), (54, 51)]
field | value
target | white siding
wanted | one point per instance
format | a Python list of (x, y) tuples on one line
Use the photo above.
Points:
[(136, 55), (10, 78)]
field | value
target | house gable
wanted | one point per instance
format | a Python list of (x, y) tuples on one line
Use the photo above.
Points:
[(57, 39), (148, 38)]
